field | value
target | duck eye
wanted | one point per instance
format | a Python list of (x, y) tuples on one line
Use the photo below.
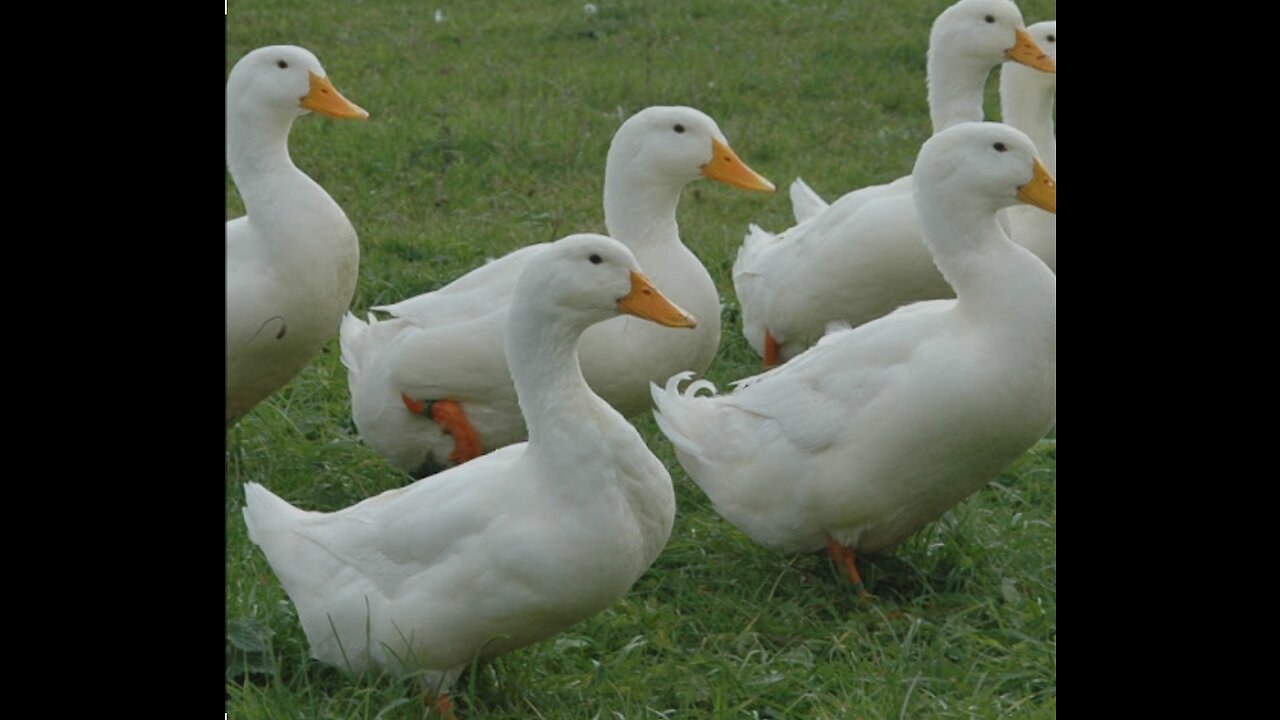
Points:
[(595, 259), (1051, 38), (282, 64), (990, 18), (1000, 147), (678, 128)]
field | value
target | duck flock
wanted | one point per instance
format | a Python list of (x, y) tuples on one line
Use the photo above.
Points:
[(907, 334)]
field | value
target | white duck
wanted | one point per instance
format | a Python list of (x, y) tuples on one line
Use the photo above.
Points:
[(442, 353), (879, 429), (513, 547), (1026, 102), (862, 256), (292, 260)]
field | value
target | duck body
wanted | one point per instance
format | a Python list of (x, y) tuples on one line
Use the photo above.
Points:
[(292, 260), (452, 567), (863, 256), (883, 430), (439, 347), (284, 304), (879, 429), (848, 263), (445, 344), (505, 550)]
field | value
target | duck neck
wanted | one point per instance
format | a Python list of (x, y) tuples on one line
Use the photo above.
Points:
[(999, 284), (257, 152), (972, 233), (640, 212), (1026, 103), (542, 353), (955, 89)]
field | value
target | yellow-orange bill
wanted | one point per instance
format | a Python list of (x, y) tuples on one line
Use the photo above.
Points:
[(646, 302), (1042, 191), (325, 99), (1027, 52), (728, 168)]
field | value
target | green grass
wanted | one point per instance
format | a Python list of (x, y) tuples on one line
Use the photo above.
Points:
[(488, 132)]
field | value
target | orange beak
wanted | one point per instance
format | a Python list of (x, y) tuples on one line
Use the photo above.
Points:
[(644, 301), (325, 99), (1026, 51), (728, 168), (1042, 191)]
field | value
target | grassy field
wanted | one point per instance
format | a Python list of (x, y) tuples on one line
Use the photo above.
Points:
[(488, 131)]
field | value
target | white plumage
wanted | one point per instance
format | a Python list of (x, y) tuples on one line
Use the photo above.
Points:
[(514, 546), (879, 429), (447, 344), (1026, 102), (862, 256), (292, 259)]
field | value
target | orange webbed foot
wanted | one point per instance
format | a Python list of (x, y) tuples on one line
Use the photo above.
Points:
[(442, 704), (417, 407), (466, 441), (771, 349), (843, 558), (453, 420)]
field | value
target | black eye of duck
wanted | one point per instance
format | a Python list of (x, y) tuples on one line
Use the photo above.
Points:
[(282, 64), (595, 259)]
